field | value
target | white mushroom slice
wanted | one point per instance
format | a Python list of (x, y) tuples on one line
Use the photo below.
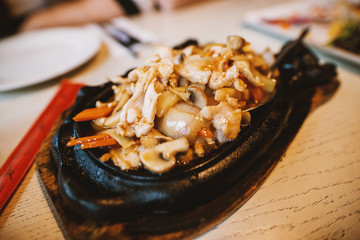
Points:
[(235, 42), (179, 58), (151, 159), (171, 148), (161, 158), (197, 96)]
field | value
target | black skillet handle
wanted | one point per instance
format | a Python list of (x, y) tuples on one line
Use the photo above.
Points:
[(300, 66)]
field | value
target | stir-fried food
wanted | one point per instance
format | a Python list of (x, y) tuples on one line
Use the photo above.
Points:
[(181, 104)]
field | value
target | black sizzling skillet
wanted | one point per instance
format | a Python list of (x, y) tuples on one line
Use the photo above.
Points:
[(188, 200)]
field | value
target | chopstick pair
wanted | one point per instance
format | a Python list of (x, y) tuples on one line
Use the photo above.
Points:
[(21, 159), (124, 38)]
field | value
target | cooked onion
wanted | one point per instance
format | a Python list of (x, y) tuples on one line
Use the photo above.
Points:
[(125, 142), (177, 120), (184, 107), (166, 100), (196, 125), (222, 93)]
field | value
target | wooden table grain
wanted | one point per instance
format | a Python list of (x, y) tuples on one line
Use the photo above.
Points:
[(313, 193)]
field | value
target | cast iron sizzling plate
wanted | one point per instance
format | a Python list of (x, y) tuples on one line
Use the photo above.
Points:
[(190, 199)]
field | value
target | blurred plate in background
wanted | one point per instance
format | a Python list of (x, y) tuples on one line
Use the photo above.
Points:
[(37, 56), (288, 20)]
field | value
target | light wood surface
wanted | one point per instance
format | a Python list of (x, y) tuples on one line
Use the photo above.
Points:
[(313, 193)]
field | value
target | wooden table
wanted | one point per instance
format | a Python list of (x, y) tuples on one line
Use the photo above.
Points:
[(313, 193)]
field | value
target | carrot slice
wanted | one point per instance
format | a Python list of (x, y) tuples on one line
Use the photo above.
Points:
[(206, 132), (92, 113), (99, 143), (100, 140), (257, 93), (86, 139)]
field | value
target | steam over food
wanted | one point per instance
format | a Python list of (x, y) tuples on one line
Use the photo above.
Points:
[(178, 106)]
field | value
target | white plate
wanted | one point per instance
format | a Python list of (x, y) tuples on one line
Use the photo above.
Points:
[(318, 36), (34, 57)]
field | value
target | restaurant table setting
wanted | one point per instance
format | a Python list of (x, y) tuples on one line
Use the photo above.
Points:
[(305, 186)]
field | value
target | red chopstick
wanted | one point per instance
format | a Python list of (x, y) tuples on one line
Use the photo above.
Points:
[(22, 157)]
